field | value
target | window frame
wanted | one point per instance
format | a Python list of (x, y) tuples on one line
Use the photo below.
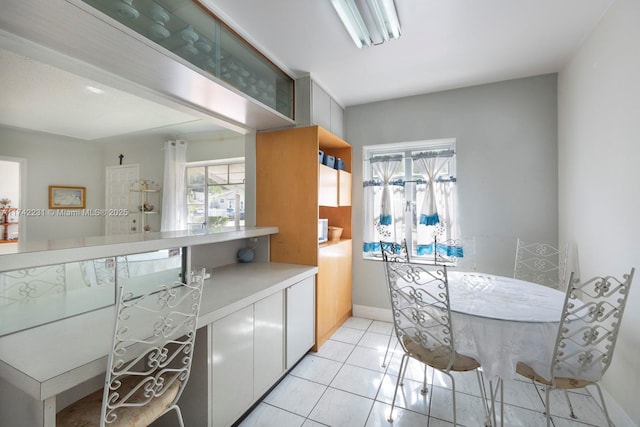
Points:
[(410, 191), (206, 164)]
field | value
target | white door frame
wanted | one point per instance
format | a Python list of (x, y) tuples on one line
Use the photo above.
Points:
[(22, 184)]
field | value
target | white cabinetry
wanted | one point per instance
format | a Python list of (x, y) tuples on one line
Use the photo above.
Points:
[(314, 106), (248, 357), (232, 359), (268, 343), (300, 320)]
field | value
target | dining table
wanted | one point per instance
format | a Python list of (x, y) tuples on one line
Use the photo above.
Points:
[(501, 321)]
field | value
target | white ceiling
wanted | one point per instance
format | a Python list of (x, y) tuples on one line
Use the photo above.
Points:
[(445, 44), (44, 98)]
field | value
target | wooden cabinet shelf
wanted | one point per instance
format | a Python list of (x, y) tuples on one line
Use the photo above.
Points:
[(293, 190)]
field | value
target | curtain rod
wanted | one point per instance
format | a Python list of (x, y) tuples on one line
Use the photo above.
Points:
[(402, 182), (422, 154)]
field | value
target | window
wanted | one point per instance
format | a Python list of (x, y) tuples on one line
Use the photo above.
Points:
[(215, 193), (410, 195)]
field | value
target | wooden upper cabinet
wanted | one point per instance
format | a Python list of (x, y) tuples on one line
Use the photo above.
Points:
[(328, 186), (335, 187), (344, 188)]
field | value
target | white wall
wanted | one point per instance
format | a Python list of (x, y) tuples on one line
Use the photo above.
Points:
[(506, 165), (58, 160), (599, 148)]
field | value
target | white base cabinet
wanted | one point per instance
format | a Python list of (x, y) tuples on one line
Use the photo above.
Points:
[(264, 326), (248, 357), (301, 306), (232, 359), (268, 343)]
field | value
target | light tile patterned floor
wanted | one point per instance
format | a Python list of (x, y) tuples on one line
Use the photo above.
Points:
[(345, 385)]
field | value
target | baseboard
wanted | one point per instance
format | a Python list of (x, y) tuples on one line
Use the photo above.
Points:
[(373, 313)]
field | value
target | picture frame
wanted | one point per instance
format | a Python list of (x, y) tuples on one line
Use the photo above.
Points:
[(65, 197)]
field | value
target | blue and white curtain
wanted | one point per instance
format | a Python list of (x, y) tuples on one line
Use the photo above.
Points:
[(437, 229), (380, 210)]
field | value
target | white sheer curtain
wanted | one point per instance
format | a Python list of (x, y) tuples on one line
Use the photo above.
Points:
[(437, 228), (174, 209), (379, 218)]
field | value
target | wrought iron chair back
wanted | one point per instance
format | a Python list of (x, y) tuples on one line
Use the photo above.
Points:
[(586, 339), (420, 307), (150, 360), (589, 327), (32, 283), (541, 263)]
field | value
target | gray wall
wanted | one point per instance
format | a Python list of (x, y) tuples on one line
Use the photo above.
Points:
[(599, 134), (56, 160), (506, 166)]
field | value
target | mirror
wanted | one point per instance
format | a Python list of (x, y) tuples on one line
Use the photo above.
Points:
[(69, 128), (34, 296)]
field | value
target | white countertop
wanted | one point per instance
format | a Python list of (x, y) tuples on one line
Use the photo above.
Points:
[(26, 254), (49, 359)]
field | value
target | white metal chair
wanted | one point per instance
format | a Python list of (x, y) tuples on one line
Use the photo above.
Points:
[(422, 322), (150, 361), (458, 252), (391, 252), (586, 339), (540, 263)]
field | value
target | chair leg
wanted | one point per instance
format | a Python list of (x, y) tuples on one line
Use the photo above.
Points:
[(547, 390), (384, 361), (604, 406), (403, 366), (483, 394), (178, 413), (499, 388), (453, 390), (571, 413), (424, 382)]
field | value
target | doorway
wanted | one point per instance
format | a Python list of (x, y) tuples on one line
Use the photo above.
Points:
[(12, 188)]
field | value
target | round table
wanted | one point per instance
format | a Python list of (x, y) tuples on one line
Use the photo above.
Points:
[(501, 321)]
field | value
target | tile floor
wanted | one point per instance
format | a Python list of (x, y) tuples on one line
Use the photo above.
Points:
[(344, 384)]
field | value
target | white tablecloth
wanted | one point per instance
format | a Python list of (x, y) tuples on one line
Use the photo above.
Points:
[(501, 321)]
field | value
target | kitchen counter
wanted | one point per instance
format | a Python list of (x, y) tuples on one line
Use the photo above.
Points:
[(53, 358)]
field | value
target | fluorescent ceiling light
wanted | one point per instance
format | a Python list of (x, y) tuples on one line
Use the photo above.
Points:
[(386, 18), (382, 12), (352, 20)]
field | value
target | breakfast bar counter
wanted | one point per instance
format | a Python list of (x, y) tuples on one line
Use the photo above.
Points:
[(43, 368)]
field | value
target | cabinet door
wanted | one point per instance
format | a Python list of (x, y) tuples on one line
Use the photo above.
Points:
[(300, 319), (268, 341), (321, 106), (343, 268), (326, 309), (344, 188), (328, 188), (232, 360), (337, 119)]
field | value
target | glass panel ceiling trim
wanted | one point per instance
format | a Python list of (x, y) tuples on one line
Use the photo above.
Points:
[(191, 31)]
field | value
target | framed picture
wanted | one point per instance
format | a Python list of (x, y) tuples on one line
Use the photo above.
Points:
[(61, 197)]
